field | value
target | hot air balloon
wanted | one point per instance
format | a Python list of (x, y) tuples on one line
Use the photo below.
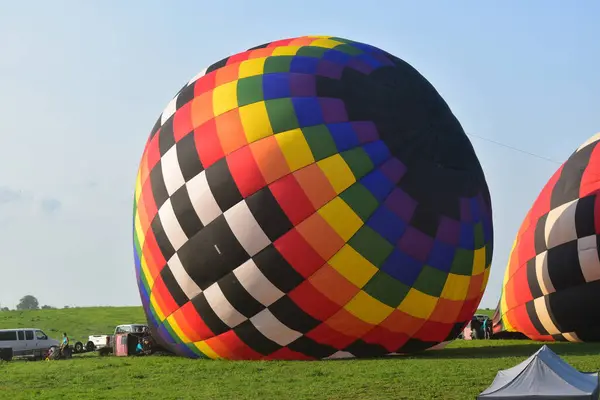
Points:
[(309, 198), (552, 282)]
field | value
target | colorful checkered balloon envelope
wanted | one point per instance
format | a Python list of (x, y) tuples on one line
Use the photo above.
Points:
[(309, 198), (551, 285)]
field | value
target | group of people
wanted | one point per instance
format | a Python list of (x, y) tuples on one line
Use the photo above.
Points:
[(481, 329), (144, 346)]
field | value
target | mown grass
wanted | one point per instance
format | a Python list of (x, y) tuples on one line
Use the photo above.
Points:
[(460, 371)]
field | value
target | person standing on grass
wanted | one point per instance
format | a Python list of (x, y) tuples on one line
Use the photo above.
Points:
[(65, 341), (486, 332), (475, 328)]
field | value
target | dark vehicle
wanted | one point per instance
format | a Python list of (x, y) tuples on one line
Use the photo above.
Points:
[(474, 329)]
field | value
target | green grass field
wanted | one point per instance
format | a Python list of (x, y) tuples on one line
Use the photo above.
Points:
[(79, 323), (460, 371)]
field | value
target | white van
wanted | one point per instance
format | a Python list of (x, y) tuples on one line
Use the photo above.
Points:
[(26, 341)]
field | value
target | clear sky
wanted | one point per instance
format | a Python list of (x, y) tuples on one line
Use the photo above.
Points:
[(82, 83)]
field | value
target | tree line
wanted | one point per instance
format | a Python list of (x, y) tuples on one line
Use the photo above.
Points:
[(29, 302)]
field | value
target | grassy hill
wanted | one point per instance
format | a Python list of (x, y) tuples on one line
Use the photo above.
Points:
[(460, 371), (79, 323)]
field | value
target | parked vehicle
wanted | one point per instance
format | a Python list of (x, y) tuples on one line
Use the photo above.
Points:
[(126, 344), (106, 341), (473, 333), (78, 347), (97, 342), (26, 342)]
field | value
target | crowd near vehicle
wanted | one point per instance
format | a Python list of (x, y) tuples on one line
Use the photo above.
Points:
[(98, 342), (34, 344), (30, 343), (471, 332)]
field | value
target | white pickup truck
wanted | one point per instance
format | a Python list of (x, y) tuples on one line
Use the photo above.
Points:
[(106, 341)]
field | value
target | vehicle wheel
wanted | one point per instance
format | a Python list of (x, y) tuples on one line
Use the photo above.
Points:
[(78, 347), (90, 346)]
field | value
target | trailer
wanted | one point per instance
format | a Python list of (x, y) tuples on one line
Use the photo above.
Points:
[(105, 343)]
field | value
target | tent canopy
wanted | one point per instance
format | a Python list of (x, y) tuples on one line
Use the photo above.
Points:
[(544, 375)]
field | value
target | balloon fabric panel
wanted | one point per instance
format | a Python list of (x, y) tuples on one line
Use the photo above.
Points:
[(551, 281), (309, 198)]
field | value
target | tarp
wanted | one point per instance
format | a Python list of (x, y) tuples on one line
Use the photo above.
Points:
[(544, 375)]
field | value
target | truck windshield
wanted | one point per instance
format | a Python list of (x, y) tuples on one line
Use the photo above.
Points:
[(123, 329)]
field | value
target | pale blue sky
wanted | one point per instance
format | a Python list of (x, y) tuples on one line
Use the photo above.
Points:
[(82, 83)]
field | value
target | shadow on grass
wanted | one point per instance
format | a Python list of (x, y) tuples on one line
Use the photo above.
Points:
[(497, 350)]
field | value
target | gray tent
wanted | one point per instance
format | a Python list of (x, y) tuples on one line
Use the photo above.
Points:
[(544, 375)]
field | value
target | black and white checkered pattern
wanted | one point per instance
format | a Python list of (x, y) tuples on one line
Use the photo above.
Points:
[(183, 279), (219, 250), (566, 188), (219, 247), (562, 236), (204, 227), (568, 234), (548, 270), (259, 309), (567, 263), (246, 229), (587, 251), (560, 225), (544, 319), (220, 255), (252, 279), (183, 96), (259, 312)]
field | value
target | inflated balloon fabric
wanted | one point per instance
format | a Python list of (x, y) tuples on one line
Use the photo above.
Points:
[(551, 285), (309, 198)]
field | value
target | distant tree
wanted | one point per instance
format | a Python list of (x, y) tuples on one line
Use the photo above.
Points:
[(28, 302), (66, 307), (4, 309), (47, 307)]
